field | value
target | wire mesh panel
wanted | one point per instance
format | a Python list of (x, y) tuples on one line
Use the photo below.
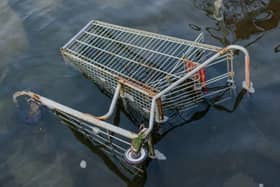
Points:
[(147, 62)]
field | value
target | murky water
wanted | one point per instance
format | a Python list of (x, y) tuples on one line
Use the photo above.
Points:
[(220, 149)]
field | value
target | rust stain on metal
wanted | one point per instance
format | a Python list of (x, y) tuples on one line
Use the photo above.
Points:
[(231, 73), (36, 97), (160, 109), (102, 118), (147, 90), (222, 51)]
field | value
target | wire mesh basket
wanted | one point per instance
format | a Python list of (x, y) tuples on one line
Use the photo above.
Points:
[(151, 73)]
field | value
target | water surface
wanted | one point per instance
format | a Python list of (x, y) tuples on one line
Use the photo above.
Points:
[(220, 149)]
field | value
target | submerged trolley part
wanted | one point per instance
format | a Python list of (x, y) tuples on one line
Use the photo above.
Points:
[(152, 73)]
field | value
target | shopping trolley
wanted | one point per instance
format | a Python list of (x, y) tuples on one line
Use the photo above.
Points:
[(150, 73)]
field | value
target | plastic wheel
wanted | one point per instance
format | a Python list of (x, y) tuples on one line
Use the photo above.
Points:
[(135, 158)]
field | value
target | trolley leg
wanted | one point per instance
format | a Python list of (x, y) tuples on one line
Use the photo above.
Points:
[(151, 149), (113, 104)]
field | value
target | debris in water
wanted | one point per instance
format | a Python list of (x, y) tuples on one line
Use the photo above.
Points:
[(159, 155), (195, 27), (218, 13), (277, 48), (83, 164)]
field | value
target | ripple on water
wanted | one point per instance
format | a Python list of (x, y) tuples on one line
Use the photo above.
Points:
[(12, 34)]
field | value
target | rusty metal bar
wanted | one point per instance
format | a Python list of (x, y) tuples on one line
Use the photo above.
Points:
[(52, 105)]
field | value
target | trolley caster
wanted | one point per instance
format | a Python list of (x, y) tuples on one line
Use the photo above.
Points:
[(135, 158)]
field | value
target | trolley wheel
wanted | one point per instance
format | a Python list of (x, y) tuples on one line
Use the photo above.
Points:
[(135, 158)]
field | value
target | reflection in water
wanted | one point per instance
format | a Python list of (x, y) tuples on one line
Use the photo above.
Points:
[(277, 48), (125, 172), (218, 10), (256, 16), (179, 120), (194, 27), (37, 28), (130, 174), (137, 175), (30, 112)]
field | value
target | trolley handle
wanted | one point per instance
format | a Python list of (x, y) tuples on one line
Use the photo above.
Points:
[(97, 121), (247, 84)]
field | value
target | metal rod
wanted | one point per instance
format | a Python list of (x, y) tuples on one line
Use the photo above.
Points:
[(113, 104), (248, 84), (83, 116)]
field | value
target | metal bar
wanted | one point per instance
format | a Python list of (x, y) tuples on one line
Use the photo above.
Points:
[(73, 38), (194, 99), (135, 46), (158, 36), (247, 85), (189, 49), (113, 104), (163, 64), (85, 117), (125, 58), (114, 75), (159, 46), (65, 117)]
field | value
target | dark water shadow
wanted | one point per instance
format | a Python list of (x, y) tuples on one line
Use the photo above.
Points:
[(130, 174), (125, 171), (120, 169), (182, 121)]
